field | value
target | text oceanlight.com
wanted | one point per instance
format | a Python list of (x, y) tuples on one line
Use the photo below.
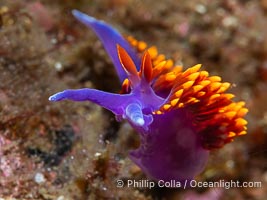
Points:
[(188, 184)]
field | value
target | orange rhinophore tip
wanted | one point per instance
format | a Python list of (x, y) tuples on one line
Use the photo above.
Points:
[(146, 67), (126, 61)]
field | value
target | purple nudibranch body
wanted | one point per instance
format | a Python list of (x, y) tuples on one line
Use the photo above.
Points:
[(176, 114)]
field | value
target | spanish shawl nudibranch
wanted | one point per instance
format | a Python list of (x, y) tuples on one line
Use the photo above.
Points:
[(179, 115)]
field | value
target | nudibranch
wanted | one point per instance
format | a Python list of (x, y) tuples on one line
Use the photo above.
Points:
[(180, 115)]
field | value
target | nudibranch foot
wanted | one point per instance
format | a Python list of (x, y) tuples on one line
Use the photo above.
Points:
[(173, 151)]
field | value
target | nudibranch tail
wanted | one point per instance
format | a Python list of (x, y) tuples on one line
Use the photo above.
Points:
[(109, 37)]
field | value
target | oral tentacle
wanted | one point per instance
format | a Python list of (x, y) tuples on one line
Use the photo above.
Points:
[(109, 37), (110, 101)]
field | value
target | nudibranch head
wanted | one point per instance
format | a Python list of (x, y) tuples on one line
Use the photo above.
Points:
[(179, 115)]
